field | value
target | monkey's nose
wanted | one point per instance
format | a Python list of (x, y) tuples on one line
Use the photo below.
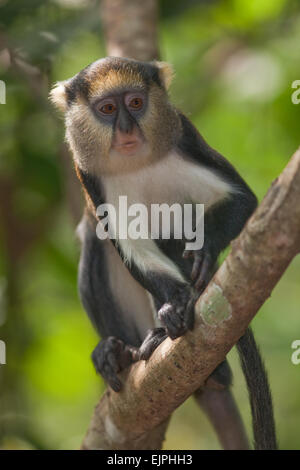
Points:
[(127, 144), (123, 138), (125, 122)]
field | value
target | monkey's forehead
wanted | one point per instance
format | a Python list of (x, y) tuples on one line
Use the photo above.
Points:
[(114, 80), (111, 74)]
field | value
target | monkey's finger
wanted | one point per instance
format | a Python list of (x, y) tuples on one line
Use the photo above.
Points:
[(126, 357), (113, 361), (171, 318), (121, 356), (134, 353), (153, 339), (168, 313), (103, 367), (172, 330), (112, 380)]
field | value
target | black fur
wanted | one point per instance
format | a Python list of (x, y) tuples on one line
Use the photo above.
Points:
[(95, 291), (259, 393), (111, 356), (92, 187), (153, 339), (224, 221), (192, 145)]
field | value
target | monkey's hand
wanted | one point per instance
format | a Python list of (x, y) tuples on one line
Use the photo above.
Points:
[(110, 357), (204, 261), (176, 317)]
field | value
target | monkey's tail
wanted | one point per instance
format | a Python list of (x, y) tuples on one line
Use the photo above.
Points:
[(259, 393), (222, 411)]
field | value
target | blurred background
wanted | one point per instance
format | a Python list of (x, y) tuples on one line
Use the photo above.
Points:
[(235, 62)]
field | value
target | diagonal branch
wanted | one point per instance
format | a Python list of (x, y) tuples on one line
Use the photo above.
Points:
[(134, 418)]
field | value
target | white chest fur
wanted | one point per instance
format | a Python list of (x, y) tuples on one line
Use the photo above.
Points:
[(171, 180)]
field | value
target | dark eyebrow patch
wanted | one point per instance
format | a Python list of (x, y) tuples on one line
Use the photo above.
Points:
[(118, 92)]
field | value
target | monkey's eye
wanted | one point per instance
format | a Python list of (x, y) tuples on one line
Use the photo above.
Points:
[(136, 103), (108, 108)]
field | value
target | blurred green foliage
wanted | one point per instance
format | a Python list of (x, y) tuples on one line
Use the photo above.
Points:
[(235, 62)]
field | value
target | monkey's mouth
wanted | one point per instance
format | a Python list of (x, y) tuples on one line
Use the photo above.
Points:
[(129, 144), (128, 147)]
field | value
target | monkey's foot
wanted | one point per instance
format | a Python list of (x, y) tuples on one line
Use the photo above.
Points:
[(110, 357), (203, 263), (153, 339), (177, 316)]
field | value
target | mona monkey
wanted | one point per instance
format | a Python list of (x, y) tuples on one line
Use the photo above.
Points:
[(128, 139)]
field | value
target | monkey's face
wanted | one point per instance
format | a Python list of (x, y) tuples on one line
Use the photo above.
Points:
[(122, 111), (118, 117)]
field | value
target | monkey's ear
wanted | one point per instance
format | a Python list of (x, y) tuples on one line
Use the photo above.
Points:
[(58, 95), (166, 73)]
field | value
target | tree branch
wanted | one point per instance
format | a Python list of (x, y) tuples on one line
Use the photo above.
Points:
[(134, 418)]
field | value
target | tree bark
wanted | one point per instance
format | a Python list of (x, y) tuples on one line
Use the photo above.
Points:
[(130, 28), (154, 389)]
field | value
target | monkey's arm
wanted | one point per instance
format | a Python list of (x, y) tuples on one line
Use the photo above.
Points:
[(164, 281), (224, 221)]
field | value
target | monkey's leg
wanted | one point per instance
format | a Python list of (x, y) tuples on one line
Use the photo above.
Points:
[(217, 401), (122, 320)]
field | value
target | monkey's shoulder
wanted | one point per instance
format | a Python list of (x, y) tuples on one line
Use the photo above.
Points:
[(192, 145)]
